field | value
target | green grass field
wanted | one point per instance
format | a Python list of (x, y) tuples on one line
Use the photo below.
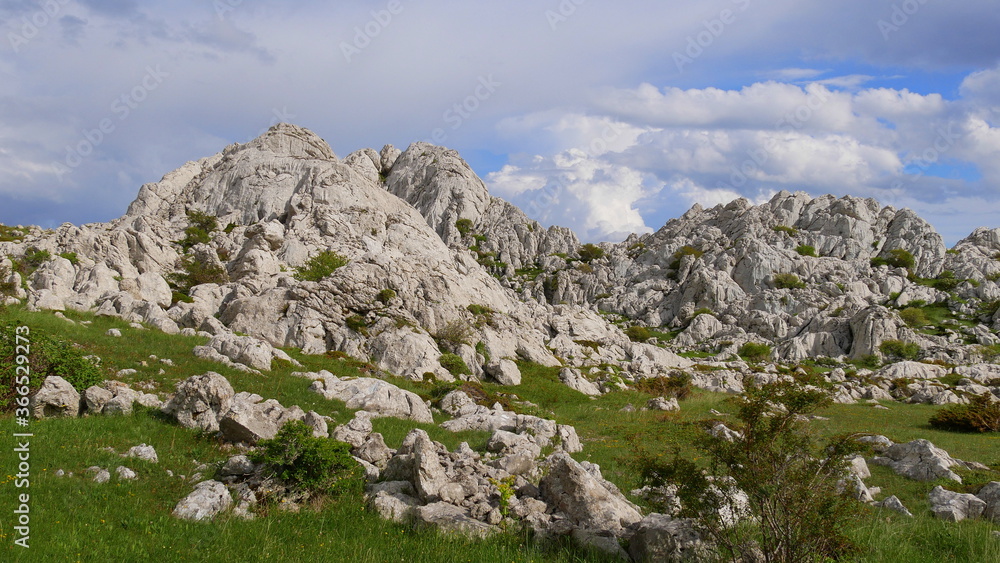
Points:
[(75, 519)]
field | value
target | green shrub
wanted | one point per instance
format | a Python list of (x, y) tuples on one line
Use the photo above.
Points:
[(71, 256), (946, 281), (199, 230), (686, 250), (898, 258), (464, 226), (980, 415), (914, 317), (787, 281), (898, 350), (357, 323), (320, 266), (702, 311), (868, 361), (678, 385), (453, 334), (313, 465), (795, 510), (638, 333), (30, 261), (386, 295), (806, 250), (590, 252), (195, 272), (754, 352), (46, 356), (454, 364), (790, 231)]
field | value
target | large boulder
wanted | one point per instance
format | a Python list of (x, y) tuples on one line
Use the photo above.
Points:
[(56, 397), (200, 401), (658, 537), (585, 498), (450, 519), (990, 494), (208, 499), (379, 397), (920, 460), (954, 507), (251, 419)]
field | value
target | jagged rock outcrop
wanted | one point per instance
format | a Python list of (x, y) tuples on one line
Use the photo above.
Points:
[(434, 265)]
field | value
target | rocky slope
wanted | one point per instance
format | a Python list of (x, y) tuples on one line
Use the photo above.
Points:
[(436, 265)]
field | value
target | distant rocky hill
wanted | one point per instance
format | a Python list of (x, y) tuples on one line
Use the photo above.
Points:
[(436, 267)]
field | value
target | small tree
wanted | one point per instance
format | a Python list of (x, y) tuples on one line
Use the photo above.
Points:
[(464, 226), (590, 252), (781, 485)]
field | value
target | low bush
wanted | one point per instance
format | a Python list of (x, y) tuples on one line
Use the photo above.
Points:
[(787, 281), (897, 258), (454, 364), (980, 415), (30, 261), (806, 250), (754, 352), (790, 231), (320, 266), (686, 250), (453, 334), (386, 295), (678, 385), (310, 464), (897, 350), (195, 272), (45, 356), (638, 333), (914, 317), (357, 323), (589, 252), (464, 226)]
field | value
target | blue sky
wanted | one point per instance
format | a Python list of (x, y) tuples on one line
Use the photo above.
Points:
[(605, 117)]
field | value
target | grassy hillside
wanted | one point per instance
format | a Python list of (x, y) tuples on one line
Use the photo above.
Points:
[(74, 518)]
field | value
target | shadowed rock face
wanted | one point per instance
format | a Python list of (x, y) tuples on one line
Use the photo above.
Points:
[(413, 271)]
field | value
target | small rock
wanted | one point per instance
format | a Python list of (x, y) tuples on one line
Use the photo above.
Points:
[(125, 473), (144, 452), (114, 332)]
